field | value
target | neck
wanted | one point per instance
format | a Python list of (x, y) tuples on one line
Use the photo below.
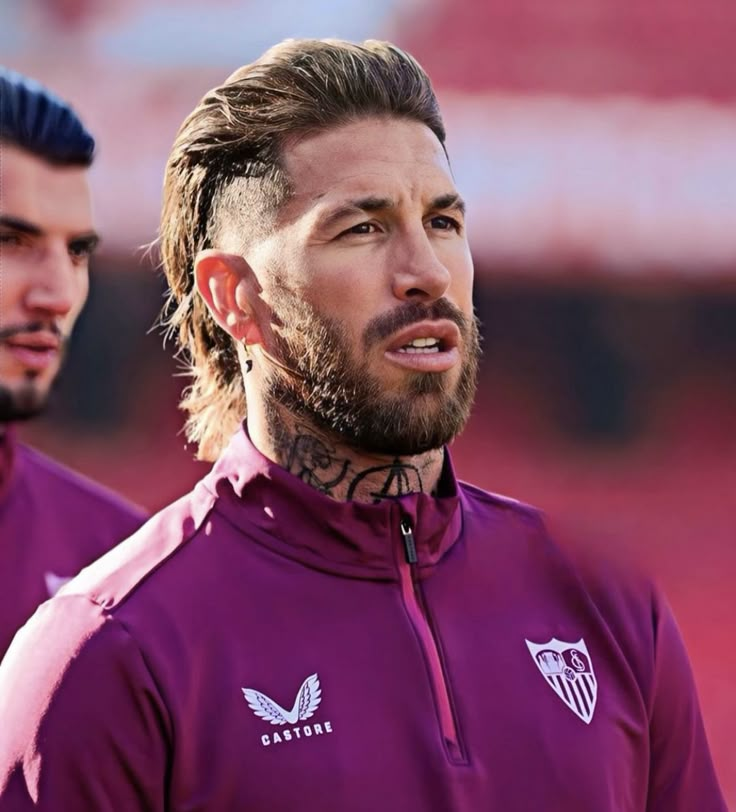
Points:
[(339, 471)]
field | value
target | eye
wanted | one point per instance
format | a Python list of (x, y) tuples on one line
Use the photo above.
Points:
[(10, 238), (361, 228), (81, 250), (444, 223)]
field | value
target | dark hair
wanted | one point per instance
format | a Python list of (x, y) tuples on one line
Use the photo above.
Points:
[(33, 118), (227, 161)]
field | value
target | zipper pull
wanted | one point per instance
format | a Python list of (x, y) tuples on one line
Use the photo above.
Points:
[(410, 548)]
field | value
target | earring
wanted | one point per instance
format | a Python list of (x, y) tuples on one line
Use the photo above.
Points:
[(248, 360)]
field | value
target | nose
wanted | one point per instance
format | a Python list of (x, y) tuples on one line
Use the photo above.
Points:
[(419, 273), (54, 285)]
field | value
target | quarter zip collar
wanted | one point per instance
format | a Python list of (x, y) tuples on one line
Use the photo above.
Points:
[(350, 538)]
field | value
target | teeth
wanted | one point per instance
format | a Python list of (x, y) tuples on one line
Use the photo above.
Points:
[(422, 345)]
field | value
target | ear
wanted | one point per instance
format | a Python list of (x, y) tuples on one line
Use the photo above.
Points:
[(226, 283)]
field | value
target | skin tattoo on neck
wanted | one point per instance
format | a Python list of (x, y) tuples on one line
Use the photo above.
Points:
[(385, 481), (313, 461), (323, 468)]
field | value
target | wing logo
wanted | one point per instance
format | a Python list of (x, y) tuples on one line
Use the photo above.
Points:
[(305, 706), (306, 703)]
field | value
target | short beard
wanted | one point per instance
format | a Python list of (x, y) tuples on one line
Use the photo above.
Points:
[(29, 400), (24, 403), (325, 387)]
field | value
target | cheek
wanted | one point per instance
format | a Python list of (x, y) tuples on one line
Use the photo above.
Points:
[(13, 290), (355, 290), (81, 292), (345, 294), (351, 309), (460, 265)]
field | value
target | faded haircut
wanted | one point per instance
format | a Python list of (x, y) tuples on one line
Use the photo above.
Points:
[(35, 119), (225, 174)]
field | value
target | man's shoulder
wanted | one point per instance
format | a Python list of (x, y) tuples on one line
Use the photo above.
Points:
[(153, 548), (70, 489), (476, 499), (123, 600), (568, 555)]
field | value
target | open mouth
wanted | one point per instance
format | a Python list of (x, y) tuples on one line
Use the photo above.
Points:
[(427, 346), (426, 338), (423, 346)]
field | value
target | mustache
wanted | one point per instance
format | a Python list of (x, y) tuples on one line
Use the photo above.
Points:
[(387, 324), (32, 327)]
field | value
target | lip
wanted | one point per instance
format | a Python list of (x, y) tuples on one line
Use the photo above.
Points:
[(34, 351), (449, 355), (447, 332), (39, 340)]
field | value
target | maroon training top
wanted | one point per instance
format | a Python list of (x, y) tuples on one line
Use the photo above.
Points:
[(258, 646), (53, 522)]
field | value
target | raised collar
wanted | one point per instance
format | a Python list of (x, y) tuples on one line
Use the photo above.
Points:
[(8, 445), (352, 538)]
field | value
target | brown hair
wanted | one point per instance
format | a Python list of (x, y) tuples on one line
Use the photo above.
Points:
[(226, 164)]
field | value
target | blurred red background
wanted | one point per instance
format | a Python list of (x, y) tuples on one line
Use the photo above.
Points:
[(594, 141)]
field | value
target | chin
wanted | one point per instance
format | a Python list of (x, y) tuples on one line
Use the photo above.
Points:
[(22, 402)]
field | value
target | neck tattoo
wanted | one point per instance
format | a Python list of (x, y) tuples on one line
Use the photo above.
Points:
[(328, 469)]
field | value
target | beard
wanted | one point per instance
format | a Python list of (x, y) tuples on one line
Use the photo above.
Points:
[(22, 403), (29, 398), (322, 384)]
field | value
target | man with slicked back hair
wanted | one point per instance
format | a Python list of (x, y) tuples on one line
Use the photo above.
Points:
[(331, 620), (53, 522)]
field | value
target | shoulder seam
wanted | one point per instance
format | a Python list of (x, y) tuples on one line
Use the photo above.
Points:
[(110, 609)]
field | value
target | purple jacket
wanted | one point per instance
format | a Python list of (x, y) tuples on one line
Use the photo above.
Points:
[(259, 647), (53, 522)]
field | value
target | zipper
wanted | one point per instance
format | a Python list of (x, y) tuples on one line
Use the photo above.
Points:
[(414, 604)]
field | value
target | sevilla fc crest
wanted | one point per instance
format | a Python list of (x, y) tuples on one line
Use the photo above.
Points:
[(568, 669)]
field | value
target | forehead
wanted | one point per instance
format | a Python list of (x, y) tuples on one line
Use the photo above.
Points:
[(385, 157), (54, 198)]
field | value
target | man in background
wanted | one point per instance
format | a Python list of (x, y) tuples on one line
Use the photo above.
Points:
[(331, 620), (52, 521)]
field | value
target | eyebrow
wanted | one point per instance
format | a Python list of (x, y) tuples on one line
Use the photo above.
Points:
[(352, 207), (451, 200), (87, 238), (20, 225)]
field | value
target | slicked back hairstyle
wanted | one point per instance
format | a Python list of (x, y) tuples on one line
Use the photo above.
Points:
[(226, 169), (34, 118)]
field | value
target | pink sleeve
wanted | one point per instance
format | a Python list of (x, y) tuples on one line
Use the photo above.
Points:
[(682, 777), (83, 726)]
